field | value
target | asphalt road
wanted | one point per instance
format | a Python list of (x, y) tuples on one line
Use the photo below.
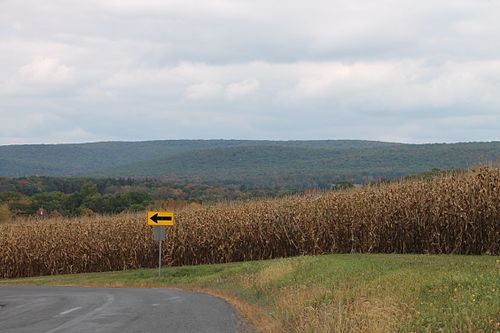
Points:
[(123, 310)]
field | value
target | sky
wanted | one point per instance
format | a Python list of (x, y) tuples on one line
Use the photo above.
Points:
[(131, 70)]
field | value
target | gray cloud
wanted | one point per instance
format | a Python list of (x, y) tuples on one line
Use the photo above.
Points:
[(128, 69)]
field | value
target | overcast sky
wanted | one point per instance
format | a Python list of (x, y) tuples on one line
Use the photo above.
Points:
[(392, 70)]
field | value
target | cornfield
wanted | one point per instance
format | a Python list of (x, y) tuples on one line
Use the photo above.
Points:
[(455, 214)]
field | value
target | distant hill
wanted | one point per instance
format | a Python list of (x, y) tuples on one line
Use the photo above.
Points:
[(261, 165), (77, 159), (220, 162)]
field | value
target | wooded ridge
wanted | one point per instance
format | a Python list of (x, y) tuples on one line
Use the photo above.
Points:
[(250, 162)]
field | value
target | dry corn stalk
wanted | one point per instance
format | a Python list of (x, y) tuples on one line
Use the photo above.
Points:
[(457, 214)]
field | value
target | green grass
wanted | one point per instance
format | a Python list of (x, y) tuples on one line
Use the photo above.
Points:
[(350, 292)]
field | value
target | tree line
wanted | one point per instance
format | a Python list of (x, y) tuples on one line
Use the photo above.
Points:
[(60, 196), (84, 202)]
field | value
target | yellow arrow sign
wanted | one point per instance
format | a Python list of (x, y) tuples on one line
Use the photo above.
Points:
[(160, 218)]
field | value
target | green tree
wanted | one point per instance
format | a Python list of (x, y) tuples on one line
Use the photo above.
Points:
[(73, 203), (49, 200), (10, 196), (23, 206), (88, 190)]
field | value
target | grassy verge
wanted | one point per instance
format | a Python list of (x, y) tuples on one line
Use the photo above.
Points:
[(336, 293)]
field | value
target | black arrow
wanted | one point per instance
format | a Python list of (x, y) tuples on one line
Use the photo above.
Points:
[(155, 218)]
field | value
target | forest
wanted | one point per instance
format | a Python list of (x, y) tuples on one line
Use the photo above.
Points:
[(56, 196), (261, 164)]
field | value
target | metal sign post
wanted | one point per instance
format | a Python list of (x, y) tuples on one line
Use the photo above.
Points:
[(159, 221), (159, 261), (159, 235)]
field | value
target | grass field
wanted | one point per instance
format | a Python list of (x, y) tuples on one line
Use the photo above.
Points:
[(336, 293)]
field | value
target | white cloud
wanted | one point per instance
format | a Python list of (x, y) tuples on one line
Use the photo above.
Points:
[(261, 69), (44, 70), (25, 122), (41, 76), (245, 87), (397, 85), (203, 90)]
